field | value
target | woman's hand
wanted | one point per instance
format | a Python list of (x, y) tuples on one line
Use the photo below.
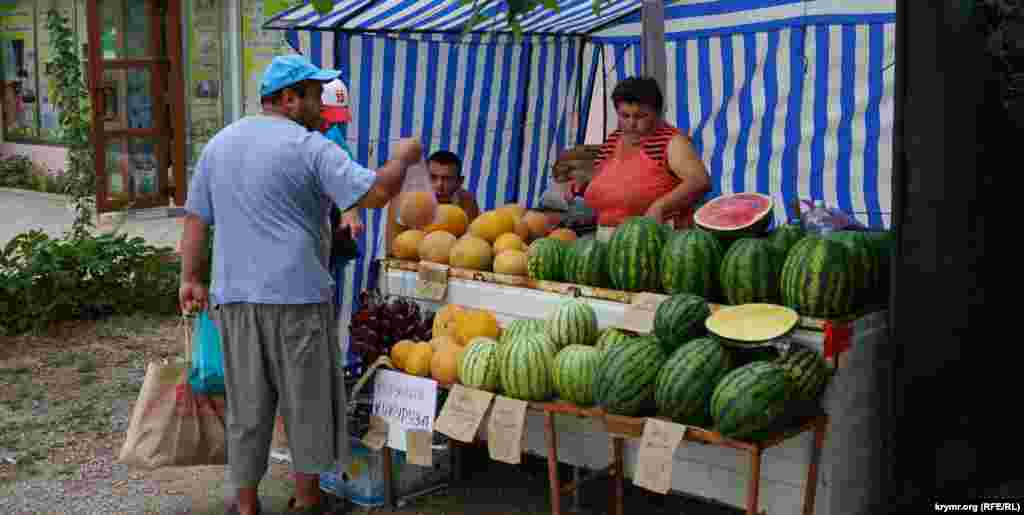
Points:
[(657, 212)]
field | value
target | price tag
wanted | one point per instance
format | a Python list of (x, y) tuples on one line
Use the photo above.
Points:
[(654, 458), (432, 282), (505, 430), (419, 450), (639, 316), (462, 412), (377, 435)]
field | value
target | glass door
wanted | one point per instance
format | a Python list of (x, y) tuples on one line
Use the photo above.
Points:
[(137, 92)]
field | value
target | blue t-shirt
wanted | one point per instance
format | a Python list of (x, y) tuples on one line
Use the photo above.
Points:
[(264, 182)]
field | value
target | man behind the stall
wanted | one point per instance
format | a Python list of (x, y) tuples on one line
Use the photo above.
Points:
[(263, 181), (447, 180)]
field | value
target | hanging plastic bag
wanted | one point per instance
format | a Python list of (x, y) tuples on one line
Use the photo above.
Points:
[(417, 204), (207, 373)]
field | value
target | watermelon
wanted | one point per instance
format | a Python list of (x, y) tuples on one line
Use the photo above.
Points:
[(734, 216), (750, 399), (520, 327), (573, 375), (784, 237), (587, 263), (750, 272), (690, 263), (479, 365), (574, 322), (624, 383), (863, 263), (544, 261), (807, 371), (611, 337), (683, 388), (817, 280), (526, 365), (634, 254), (679, 319), (883, 242)]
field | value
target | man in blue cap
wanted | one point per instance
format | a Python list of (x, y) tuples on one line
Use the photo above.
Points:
[(265, 181)]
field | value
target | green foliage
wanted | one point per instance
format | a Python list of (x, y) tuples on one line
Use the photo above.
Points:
[(72, 100), (517, 9), (43, 280), (16, 172)]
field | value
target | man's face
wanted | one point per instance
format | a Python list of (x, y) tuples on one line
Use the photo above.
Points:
[(305, 110), (445, 180), (636, 120)]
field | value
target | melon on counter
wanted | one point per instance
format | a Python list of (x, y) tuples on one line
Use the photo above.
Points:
[(417, 209), (471, 252), (511, 262), (450, 218), (436, 247), (739, 214), (406, 244), (492, 224)]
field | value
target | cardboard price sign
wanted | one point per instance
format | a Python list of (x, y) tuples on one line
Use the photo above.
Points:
[(654, 458), (639, 316), (432, 281), (419, 448), (462, 413), (505, 430), (377, 435)]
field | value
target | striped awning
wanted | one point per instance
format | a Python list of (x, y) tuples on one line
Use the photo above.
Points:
[(574, 17)]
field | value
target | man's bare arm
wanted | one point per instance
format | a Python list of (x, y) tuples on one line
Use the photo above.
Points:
[(193, 242), (386, 187)]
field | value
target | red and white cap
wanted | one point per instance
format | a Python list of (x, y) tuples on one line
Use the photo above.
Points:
[(335, 103)]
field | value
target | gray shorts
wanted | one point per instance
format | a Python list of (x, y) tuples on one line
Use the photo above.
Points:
[(287, 357)]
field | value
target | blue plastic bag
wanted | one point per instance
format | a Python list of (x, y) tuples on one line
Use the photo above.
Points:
[(207, 374)]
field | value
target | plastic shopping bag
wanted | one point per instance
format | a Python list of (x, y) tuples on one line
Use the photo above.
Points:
[(207, 374), (417, 204)]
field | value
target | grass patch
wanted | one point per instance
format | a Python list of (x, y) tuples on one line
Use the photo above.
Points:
[(131, 326)]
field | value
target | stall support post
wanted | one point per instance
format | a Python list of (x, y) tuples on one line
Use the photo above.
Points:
[(754, 483), (618, 475), (552, 441), (811, 488), (652, 22), (389, 487)]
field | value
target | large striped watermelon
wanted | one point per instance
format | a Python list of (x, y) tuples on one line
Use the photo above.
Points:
[(573, 322), (624, 383), (807, 371), (520, 327), (545, 260), (679, 319), (817, 280), (682, 390), (479, 365), (737, 215), (785, 236), (750, 399), (750, 272), (863, 263), (575, 367), (634, 254), (612, 337), (588, 263), (526, 365), (883, 242), (690, 263)]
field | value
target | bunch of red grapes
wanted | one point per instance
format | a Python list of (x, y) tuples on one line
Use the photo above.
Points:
[(381, 322)]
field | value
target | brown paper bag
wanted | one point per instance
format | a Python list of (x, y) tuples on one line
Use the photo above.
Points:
[(171, 426)]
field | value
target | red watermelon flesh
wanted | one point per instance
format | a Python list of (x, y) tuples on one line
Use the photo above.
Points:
[(734, 212)]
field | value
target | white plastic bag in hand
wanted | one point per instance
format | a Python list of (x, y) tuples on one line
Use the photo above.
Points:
[(417, 204)]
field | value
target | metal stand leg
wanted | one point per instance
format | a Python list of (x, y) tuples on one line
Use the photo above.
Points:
[(555, 484), (619, 491), (754, 482), (811, 488), (389, 487), (576, 492)]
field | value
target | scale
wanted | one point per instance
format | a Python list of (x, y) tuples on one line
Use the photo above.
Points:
[(754, 326)]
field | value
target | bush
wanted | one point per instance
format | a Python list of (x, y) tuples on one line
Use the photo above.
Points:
[(44, 280), (17, 172)]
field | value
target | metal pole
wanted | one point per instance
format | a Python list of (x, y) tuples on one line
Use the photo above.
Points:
[(653, 40)]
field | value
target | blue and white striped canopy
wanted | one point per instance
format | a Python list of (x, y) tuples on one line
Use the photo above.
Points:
[(574, 17)]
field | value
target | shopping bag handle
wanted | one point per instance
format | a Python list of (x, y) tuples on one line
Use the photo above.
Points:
[(186, 325)]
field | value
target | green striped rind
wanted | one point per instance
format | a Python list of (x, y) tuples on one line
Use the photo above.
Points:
[(573, 322), (574, 371), (526, 365), (520, 327), (863, 263), (683, 388), (750, 399), (816, 279), (634, 254), (588, 263), (784, 237), (750, 272), (807, 371), (612, 337), (882, 242), (679, 319), (690, 262), (544, 260), (479, 366), (624, 382)]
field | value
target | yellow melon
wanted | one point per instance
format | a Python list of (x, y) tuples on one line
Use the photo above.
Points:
[(407, 244), (512, 262), (522, 229), (444, 320), (450, 218), (538, 224), (513, 209), (509, 241), (417, 362), (417, 209), (444, 364), (563, 234), (492, 224), (437, 246), (478, 322), (473, 253), (400, 352), (440, 342)]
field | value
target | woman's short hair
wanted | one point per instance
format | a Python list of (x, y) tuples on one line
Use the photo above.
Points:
[(639, 90)]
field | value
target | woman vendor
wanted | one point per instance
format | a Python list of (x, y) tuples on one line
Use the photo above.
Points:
[(647, 166)]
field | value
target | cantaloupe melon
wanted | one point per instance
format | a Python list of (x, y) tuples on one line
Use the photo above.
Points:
[(417, 209), (512, 262), (450, 218), (509, 241), (407, 244), (491, 224), (478, 322), (436, 247), (445, 319), (439, 342), (400, 352), (538, 224), (563, 234), (444, 364), (515, 210), (522, 229), (417, 362), (473, 253)]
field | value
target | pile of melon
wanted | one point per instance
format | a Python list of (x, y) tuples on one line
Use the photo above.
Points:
[(455, 328), (496, 241)]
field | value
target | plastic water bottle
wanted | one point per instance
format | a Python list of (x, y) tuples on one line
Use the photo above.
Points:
[(817, 221)]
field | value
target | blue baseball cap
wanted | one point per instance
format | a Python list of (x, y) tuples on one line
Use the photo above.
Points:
[(286, 70)]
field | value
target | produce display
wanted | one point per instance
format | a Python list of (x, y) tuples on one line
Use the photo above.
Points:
[(478, 367), (734, 216), (574, 322), (381, 323), (587, 263), (750, 272), (817, 279), (611, 337), (679, 319), (690, 263), (749, 399), (545, 259), (526, 368), (573, 375), (634, 254), (686, 381), (624, 383)]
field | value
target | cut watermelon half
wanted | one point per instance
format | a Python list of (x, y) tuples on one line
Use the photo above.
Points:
[(736, 214)]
